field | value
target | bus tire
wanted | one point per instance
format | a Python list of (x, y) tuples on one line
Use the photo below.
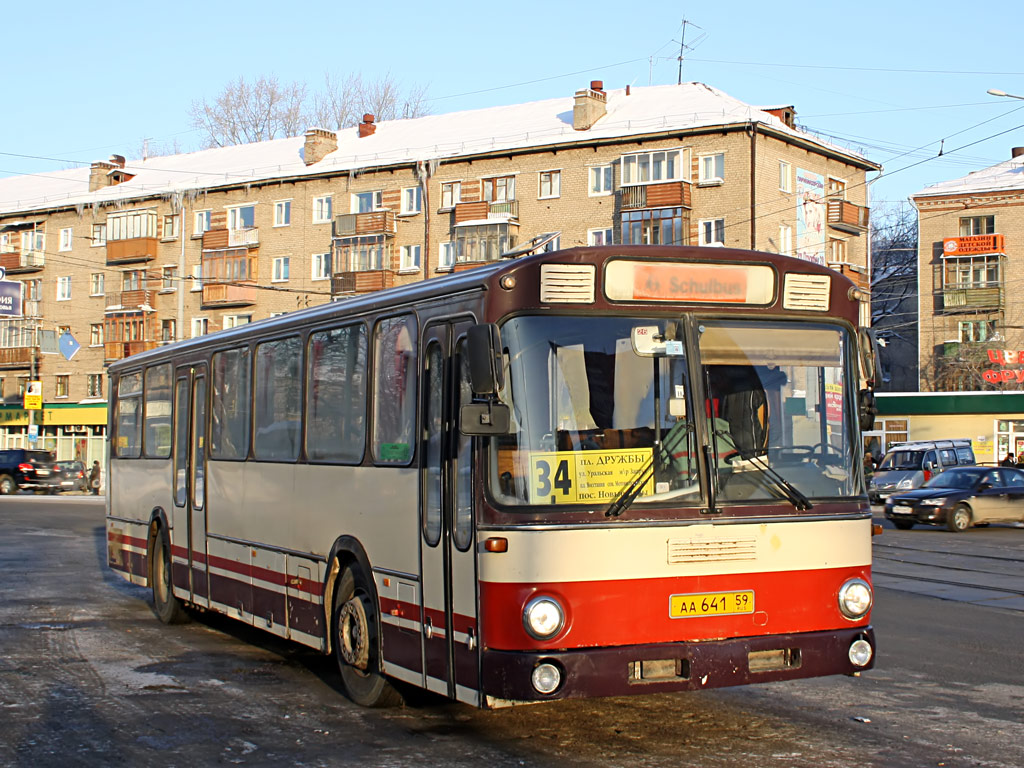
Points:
[(166, 606), (355, 627), (7, 485), (959, 519)]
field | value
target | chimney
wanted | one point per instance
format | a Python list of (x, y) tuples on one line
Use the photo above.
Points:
[(1016, 152), (589, 107), (99, 175), (366, 128), (117, 160), (319, 144), (785, 114)]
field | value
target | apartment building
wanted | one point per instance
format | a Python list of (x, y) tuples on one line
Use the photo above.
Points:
[(971, 265), (124, 256)]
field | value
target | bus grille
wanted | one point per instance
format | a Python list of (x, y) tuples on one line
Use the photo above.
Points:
[(808, 292), (709, 550), (567, 284)]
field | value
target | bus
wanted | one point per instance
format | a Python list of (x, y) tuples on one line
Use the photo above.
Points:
[(590, 472)]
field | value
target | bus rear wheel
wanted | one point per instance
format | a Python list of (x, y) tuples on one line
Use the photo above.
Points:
[(356, 640), (167, 607)]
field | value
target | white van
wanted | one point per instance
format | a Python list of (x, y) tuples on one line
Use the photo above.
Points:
[(908, 465)]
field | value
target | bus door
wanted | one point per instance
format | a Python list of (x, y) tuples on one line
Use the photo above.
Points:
[(190, 474), (448, 563)]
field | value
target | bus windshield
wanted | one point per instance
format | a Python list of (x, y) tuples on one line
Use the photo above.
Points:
[(592, 419)]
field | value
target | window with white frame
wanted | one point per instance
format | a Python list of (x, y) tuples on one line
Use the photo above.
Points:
[(785, 176), (785, 240), (599, 236), (200, 326), (410, 258), (169, 278), (323, 208), (65, 239), (131, 225), (280, 271), (712, 168), (242, 217), (34, 290), (197, 277), (412, 200), (233, 321), (451, 193), (321, 266), (62, 380), (99, 234), (600, 180), (364, 202), (647, 167), (282, 213), (712, 231), (172, 227), (836, 187), (201, 223), (500, 189), (446, 256), (837, 250), (94, 385), (977, 225), (976, 330), (167, 329), (96, 335), (64, 288), (33, 241), (551, 245), (550, 184), (6, 246)]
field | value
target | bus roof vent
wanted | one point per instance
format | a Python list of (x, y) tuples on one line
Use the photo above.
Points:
[(567, 283), (808, 292)]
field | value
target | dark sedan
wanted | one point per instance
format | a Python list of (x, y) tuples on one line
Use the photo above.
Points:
[(961, 497), (72, 476)]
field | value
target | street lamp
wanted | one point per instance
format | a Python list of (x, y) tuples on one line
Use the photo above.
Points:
[(997, 92)]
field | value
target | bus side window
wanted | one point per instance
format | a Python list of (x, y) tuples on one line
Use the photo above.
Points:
[(229, 420), (394, 389), (277, 405), (128, 437), (158, 412), (336, 395)]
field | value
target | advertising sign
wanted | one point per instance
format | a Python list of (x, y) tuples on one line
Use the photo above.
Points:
[(34, 396), (10, 298), (810, 216)]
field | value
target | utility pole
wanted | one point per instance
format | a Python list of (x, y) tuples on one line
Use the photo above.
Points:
[(682, 47)]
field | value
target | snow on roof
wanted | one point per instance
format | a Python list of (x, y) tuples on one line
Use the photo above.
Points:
[(1008, 175), (434, 137)]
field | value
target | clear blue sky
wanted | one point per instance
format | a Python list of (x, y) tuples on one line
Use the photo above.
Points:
[(892, 79)]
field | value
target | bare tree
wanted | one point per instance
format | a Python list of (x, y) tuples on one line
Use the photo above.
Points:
[(247, 112), (894, 292), (344, 100)]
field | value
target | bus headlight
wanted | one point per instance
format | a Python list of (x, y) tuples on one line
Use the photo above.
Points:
[(855, 598), (860, 652), (543, 618), (546, 677)]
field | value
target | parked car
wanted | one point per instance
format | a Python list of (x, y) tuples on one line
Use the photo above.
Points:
[(72, 476), (909, 465), (961, 497), (27, 469)]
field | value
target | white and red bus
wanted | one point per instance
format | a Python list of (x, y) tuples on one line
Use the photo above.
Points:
[(598, 471)]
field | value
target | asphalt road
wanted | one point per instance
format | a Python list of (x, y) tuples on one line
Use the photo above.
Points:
[(89, 677)]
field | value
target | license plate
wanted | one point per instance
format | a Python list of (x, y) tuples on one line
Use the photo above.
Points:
[(711, 604), (899, 509), (43, 472)]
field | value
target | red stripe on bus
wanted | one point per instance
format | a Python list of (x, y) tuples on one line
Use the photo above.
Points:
[(634, 611)]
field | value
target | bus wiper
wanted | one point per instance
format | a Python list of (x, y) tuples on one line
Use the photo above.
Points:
[(664, 452), (789, 491)]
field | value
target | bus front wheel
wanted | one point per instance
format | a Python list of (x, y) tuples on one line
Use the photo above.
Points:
[(356, 629), (167, 607)]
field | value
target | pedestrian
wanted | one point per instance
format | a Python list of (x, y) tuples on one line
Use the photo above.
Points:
[(1009, 461), (94, 478)]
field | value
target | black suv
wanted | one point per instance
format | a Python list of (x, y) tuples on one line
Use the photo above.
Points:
[(21, 468)]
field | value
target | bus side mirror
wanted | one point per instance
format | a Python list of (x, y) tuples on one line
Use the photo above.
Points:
[(481, 419), (486, 374), (867, 409)]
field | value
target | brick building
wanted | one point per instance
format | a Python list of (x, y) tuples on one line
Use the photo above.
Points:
[(125, 256), (971, 265)]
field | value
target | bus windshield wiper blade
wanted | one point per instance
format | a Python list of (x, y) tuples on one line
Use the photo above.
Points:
[(664, 451), (789, 491)]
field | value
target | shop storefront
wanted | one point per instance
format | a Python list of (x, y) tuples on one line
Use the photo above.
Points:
[(70, 430)]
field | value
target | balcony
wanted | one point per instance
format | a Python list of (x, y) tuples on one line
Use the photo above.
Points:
[(17, 357), (364, 281), (16, 263), (847, 217), (135, 299), (244, 238), (228, 295), (674, 194), (968, 299), (31, 308), (482, 210), (369, 223), (131, 251), (118, 350)]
